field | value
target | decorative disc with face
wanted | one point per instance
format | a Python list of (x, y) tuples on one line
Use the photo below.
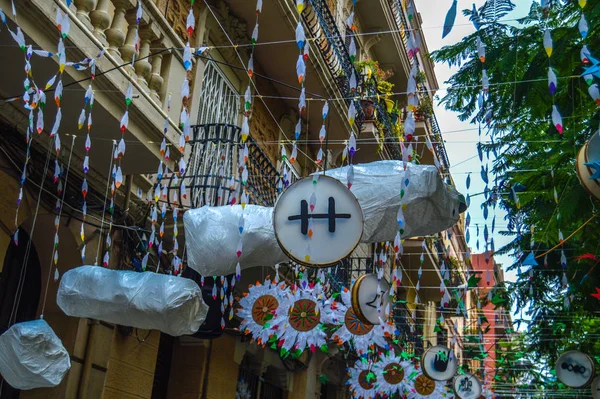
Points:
[(355, 325), (467, 386), (575, 369), (371, 299), (439, 363), (424, 385), (263, 309), (303, 315)]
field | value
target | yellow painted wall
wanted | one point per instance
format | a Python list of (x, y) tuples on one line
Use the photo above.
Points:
[(187, 371), (223, 370), (131, 365)]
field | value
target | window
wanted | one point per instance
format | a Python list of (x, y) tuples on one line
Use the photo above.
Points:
[(219, 100)]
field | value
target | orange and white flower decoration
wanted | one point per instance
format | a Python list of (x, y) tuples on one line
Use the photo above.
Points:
[(395, 374), (260, 306), (301, 324), (424, 387), (364, 381)]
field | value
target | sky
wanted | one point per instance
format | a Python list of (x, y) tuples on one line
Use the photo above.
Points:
[(461, 137)]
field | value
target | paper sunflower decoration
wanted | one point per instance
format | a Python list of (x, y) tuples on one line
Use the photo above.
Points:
[(359, 335), (300, 325), (424, 387), (396, 375), (363, 382), (260, 306)]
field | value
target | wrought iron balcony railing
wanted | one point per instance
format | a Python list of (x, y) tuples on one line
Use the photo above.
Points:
[(404, 27), (322, 26), (213, 162)]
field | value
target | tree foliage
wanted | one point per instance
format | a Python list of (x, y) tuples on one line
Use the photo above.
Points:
[(531, 160)]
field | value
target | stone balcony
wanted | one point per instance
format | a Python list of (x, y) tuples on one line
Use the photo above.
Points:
[(107, 25)]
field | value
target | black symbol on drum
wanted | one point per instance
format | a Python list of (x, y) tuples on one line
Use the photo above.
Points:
[(371, 303), (575, 368), (440, 362), (466, 385), (331, 216)]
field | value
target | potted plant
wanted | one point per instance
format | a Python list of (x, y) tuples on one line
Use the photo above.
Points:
[(368, 108), (385, 88), (425, 108), (394, 114), (374, 83)]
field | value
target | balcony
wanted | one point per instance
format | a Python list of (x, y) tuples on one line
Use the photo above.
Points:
[(103, 25), (213, 162)]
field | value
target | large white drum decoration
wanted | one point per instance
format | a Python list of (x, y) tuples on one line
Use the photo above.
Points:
[(317, 222), (575, 369), (439, 363), (371, 299), (467, 386)]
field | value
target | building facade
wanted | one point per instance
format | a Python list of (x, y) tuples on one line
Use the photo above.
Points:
[(111, 361), (497, 325)]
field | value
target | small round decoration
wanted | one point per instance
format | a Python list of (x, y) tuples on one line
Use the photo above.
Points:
[(355, 325), (255, 321), (575, 369), (393, 373), (398, 374), (361, 343), (439, 363), (317, 225), (367, 379), (371, 299), (467, 386), (424, 385), (362, 381), (303, 315), (264, 306), (596, 388)]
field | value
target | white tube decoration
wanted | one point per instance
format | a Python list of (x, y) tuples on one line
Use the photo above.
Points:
[(147, 300), (431, 206)]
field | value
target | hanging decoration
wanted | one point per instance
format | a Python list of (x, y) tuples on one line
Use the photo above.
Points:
[(317, 244), (426, 388), (371, 299), (260, 306), (467, 386), (575, 369), (363, 382), (360, 336), (450, 18), (119, 151), (150, 301), (89, 104), (396, 374), (33, 356), (439, 363), (301, 326)]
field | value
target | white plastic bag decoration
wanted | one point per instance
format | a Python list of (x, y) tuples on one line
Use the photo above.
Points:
[(147, 300), (432, 206), (32, 356)]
